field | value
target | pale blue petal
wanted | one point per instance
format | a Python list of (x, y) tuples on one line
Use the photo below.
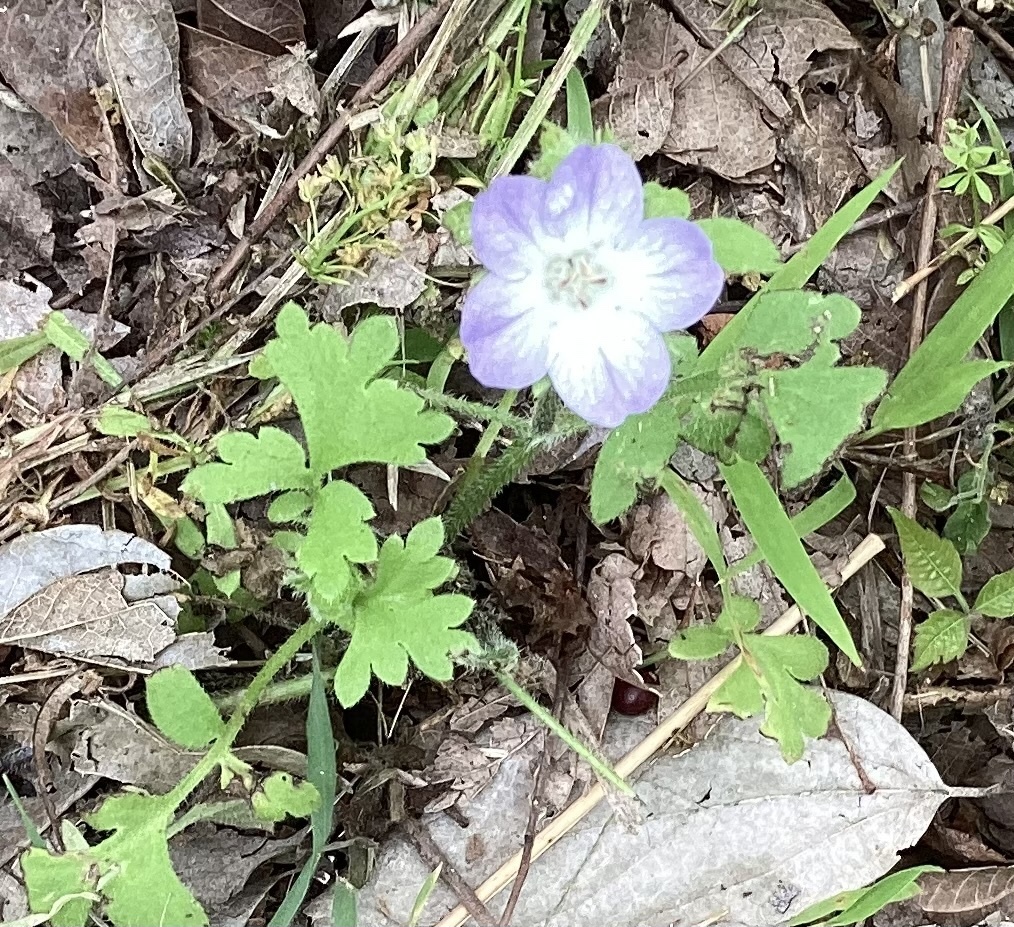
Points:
[(594, 198), (505, 330), (607, 365), (506, 225)]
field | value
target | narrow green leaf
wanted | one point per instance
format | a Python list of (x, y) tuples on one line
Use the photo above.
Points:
[(996, 598), (16, 351), (932, 562), (579, 112), (343, 908), (181, 709), (739, 248), (941, 637), (122, 423), (425, 891), (937, 377), (898, 886), (772, 531), (698, 518)]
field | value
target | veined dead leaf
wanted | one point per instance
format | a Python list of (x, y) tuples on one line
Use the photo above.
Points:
[(267, 26)]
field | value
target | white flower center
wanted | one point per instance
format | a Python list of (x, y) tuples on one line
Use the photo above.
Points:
[(577, 280)]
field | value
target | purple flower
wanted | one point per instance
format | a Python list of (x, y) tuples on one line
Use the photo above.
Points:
[(580, 286)]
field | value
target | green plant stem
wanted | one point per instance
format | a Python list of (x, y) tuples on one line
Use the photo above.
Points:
[(248, 701), (492, 431), (602, 769), (288, 690)]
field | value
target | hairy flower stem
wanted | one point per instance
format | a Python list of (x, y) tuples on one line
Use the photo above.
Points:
[(602, 769), (493, 428), (248, 701)]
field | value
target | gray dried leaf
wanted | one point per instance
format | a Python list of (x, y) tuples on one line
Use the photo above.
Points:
[(87, 616), (267, 26), (26, 229), (140, 46), (965, 892), (47, 56), (30, 142), (392, 280), (734, 834), (613, 602), (195, 651)]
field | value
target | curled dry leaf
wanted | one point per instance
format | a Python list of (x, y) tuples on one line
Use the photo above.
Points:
[(47, 56), (140, 49), (267, 26)]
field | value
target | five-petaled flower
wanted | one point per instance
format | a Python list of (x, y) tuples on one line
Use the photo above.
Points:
[(580, 286)]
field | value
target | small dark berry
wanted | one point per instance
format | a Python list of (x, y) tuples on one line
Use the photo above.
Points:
[(632, 700)]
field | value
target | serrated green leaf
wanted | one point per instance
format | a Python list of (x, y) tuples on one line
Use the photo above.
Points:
[(337, 536), (941, 637), (398, 616), (699, 643), (665, 202), (793, 321), (740, 694), (635, 452), (815, 407), (280, 796), (50, 877), (772, 531), (140, 885), (791, 711), (739, 248), (251, 466), (181, 709), (932, 562), (996, 598), (350, 413), (968, 525), (289, 506)]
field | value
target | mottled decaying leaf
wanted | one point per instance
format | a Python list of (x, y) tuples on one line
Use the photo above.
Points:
[(88, 616), (47, 55), (613, 602), (392, 281), (267, 26), (30, 142), (26, 236), (140, 50), (974, 892)]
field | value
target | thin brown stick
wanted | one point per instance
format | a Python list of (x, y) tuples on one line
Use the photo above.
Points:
[(957, 55), (433, 856), (378, 80), (984, 29)]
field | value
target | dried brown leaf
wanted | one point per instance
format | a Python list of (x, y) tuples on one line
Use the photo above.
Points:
[(47, 55), (267, 26), (393, 278), (88, 616), (30, 142), (973, 891), (611, 594), (26, 229), (140, 49)]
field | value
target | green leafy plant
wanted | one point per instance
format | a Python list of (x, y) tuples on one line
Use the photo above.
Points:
[(934, 565), (858, 905)]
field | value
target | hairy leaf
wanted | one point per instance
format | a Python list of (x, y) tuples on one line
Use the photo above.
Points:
[(251, 466), (181, 709), (739, 248), (665, 202), (280, 796), (349, 413), (49, 878), (398, 616)]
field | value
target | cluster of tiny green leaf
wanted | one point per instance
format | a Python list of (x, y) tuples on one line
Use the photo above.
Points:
[(382, 596), (934, 565)]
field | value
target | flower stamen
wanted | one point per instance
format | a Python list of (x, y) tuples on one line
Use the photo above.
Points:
[(576, 279)]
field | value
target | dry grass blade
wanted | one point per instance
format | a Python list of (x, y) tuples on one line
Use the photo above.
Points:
[(655, 741)]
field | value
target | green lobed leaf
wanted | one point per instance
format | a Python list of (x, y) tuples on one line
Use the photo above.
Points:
[(280, 796), (932, 562), (50, 877), (337, 536), (251, 466), (699, 643), (936, 379), (458, 221), (739, 248), (792, 711), (772, 531), (139, 883), (398, 616), (739, 614), (181, 709), (288, 507), (943, 636), (123, 423), (740, 694), (219, 526), (350, 413), (815, 407), (793, 321), (996, 598), (665, 202)]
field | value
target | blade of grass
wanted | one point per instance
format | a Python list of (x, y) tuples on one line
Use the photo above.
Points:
[(817, 514), (34, 837), (936, 379), (762, 513), (579, 114), (322, 773)]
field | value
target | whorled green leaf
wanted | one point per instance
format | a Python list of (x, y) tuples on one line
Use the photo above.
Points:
[(181, 709), (941, 637), (349, 412), (932, 562), (280, 796), (739, 248), (251, 466), (996, 598), (139, 883), (337, 536), (398, 616)]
